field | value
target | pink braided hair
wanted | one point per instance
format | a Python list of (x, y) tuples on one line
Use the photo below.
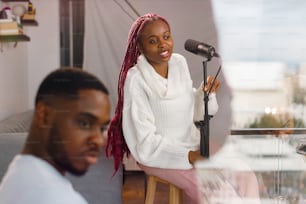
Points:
[(116, 145)]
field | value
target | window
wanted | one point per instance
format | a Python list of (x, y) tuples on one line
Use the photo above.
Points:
[(263, 45), (72, 32)]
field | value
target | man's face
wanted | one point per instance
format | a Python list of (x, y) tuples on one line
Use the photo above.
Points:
[(76, 133)]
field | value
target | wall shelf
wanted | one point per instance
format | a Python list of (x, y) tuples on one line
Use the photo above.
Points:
[(14, 38), (29, 22), (15, 0)]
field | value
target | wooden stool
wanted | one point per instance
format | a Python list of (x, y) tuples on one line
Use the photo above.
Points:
[(175, 194)]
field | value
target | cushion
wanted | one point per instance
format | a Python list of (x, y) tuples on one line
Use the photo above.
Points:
[(17, 123)]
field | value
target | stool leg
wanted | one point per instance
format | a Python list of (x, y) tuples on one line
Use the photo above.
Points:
[(175, 195), (151, 188)]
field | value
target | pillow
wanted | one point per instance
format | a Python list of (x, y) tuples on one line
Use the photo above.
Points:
[(17, 123)]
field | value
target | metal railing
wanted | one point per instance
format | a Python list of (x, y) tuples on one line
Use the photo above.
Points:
[(268, 131), (287, 186)]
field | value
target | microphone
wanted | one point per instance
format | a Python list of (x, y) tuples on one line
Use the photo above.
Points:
[(200, 48)]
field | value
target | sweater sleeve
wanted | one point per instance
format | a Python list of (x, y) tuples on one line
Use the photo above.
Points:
[(146, 145)]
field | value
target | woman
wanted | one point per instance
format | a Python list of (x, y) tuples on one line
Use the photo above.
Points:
[(157, 106)]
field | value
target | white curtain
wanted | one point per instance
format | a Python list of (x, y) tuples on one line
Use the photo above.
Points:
[(107, 25)]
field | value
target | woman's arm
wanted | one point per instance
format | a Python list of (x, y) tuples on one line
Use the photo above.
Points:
[(212, 100)]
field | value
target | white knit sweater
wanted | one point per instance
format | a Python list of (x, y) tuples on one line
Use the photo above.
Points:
[(158, 114)]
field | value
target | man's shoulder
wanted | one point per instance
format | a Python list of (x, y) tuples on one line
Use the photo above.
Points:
[(58, 196), (42, 196), (36, 181)]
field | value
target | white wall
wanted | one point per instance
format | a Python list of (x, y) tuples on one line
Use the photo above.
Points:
[(22, 68), (44, 49), (13, 79)]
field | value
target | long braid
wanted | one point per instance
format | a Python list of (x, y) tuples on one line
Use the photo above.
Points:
[(116, 145)]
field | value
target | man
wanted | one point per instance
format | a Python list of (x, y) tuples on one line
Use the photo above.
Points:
[(72, 111)]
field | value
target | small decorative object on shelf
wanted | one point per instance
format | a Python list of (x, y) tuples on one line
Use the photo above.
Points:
[(10, 27), (18, 10), (31, 9), (28, 18), (6, 13)]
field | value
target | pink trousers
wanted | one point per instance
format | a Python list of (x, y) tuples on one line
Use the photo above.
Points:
[(184, 179)]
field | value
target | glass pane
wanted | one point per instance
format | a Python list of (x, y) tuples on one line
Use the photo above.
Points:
[(263, 45)]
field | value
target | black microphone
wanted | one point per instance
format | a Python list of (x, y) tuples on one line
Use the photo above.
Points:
[(200, 48)]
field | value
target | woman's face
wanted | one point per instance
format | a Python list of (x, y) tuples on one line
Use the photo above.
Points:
[(156, 43)]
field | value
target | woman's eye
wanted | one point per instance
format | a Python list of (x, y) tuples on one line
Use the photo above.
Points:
[(166, 37), (84, 124), (152, 41)]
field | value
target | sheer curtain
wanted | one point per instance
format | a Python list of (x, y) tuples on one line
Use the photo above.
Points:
[(107, 24)]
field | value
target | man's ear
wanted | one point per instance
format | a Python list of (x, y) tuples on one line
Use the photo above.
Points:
[(43, 114)]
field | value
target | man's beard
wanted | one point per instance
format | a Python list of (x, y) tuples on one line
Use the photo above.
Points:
[(58, 154)]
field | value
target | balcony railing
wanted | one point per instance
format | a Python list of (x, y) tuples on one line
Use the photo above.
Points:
[(268, 131), (271, 153)]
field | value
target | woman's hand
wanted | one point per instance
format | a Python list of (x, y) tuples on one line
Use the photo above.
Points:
[(211, 85), (194, 156)]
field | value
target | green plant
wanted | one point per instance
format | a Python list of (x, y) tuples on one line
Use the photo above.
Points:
[(276, 121)]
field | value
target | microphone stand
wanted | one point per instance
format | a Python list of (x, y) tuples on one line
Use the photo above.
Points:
[(204, 128), (207, 52), (203, 125)]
